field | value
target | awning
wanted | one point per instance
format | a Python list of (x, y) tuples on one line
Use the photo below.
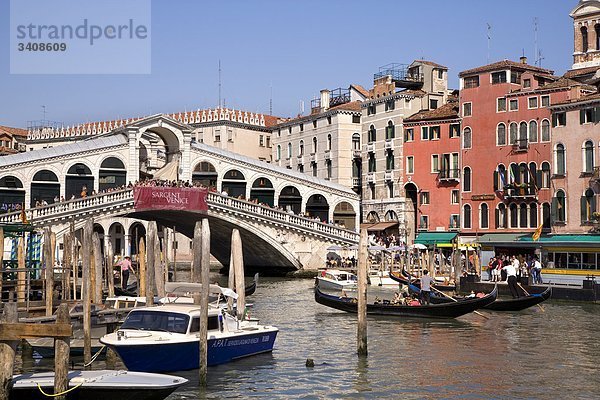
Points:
[(563, 240), (435, 238), (499, 239), (380, 226)]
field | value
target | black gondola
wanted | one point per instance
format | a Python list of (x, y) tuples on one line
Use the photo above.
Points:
[(404, 278), (250, 289), (450, 310)]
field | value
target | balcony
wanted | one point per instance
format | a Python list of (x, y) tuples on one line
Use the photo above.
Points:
[(300, 159), (289, 162), (520, 191), (371, 148), (356, 153), (371, 178), (328, 154), (595, 176), (454, 226), (356, 182), (389, 176), (449, 175), (389, 144), (520, 146), (401, 75), (313, 157)]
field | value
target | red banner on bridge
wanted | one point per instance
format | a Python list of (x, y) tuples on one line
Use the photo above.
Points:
[(169, 198)]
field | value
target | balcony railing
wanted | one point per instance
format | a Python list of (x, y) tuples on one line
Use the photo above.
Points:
[(355, 182), (449, 175), (389, 176), (371, 147), (520, 145), (313, 157), (389, 144), (399, 73), (371, 177), (356, 153), (517, 190), (328, 154)]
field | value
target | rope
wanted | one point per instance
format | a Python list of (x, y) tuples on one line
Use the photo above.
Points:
[(58, 394), (95, 356)]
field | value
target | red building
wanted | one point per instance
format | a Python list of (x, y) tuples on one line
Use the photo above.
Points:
[(506, 150)]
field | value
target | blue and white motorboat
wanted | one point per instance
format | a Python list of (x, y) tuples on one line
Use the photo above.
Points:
[(335, 279), (166, 338)]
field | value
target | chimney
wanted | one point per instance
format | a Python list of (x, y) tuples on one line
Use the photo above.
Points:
[(523, 60), (324, 99)]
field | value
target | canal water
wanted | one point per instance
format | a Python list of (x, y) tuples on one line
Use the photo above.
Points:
[(532, 354)]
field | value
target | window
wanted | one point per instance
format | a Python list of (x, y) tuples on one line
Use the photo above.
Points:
[(355, 142), (484, 216), (545, 181), (269, 141), (467, 138), (533, 132), (261, 140), (471, 82), (315, 146), (290, 130), (278, 154), (501, 104), (588, 206), (314, 124), (390, 131), (434, 133), (440, 73), (371, 109), (424, 222), (410, 165), (523, 216), (409, 135), (454, 196), (389, 161), (523, 134), (300, 167), (424, 133), (372, 134), (515, 77), (356, 119), (498, 77), (301, 148), (514, 215), (289, 150), (301, 127), (559, 160), (328, 165), (584, 39), (512, 137), (559, 119), (532, 102), (588, 157), (467, 216), (424, 198), (372, 162), (314, 168), (433, 104), (501, 135), (587, 116), (390, 105), (526, 83), (329, 120), (454, 130), (545, 101), (545, 131), (466, 179), (435, 163), (467, 109), (390, 187), (559, 211), (501, 220), (513, 105), (454, 221), (329, 142), (533, 215)]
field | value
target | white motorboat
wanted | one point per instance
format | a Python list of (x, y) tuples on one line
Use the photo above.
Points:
[(379, 277), (335, 279), (97, 385)]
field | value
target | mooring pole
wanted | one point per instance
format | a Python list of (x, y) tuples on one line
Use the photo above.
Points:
[(110, 276), (98, 267), (21, 274), (8, 349), (66, 266), (142, 268), (231, 278), (49, 269), (86, 287), (1, 260), (61, 354), (159, 272), (205, 272), (238, 265), (151, 257), (362, 295), (174, 254)]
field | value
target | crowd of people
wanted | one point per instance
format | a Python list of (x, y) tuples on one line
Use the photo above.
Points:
[(511, 269)]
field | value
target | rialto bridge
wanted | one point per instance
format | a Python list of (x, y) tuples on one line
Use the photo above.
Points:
[(287, 219)]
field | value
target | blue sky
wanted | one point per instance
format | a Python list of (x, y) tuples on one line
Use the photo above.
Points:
[(295, 47)]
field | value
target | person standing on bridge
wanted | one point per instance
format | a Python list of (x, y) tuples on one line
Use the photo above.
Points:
[(125, 265)]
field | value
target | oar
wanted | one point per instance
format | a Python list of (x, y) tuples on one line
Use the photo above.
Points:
[(453, 299), (527, 293)]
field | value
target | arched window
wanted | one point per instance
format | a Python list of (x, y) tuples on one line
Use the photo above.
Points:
[(559, 159), (588, 206), (588, 156), (559, 203), (301, 148), (278, 156), (466, 179), (545, 175), (389, 131), (501, 221), (329, 142), (501, 135), (584, 39), (533, 132), (545, 130), (546, 215), (523, 134), (512, 133), (289, 152), (502, 181), (523, 216), (356, 141), (484, 217), (514, 215), (467, 216), (533, 215), (533, 174), (315, 145), (467, 138), (372, 135)]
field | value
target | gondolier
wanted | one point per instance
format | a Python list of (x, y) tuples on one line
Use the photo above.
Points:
[(426, 282), (511, 277)]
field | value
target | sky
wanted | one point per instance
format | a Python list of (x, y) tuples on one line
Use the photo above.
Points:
[(287, 50)]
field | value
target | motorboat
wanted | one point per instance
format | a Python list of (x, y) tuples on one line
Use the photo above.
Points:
[(166, 337), (334, 279), (97, 385), (380, 277)]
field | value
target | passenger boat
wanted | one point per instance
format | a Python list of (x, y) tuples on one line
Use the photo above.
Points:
[(165, 338), (449, 310), (334, 279), (404, 278), (97, 385), (380, 277)]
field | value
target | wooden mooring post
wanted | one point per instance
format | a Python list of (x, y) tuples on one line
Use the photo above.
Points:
[(142, 268), (205, 271), (1, 259), (86, 288), (238, 266), (98, 267), (49, 270), (11, 332), (151, 237), (110, 276), (362, 295), (21, 274)]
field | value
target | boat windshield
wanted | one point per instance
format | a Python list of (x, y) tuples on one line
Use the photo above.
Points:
[(148, 320)]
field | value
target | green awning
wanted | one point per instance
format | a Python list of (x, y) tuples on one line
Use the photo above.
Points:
[(435, 238), (501, 238), (564, 239)]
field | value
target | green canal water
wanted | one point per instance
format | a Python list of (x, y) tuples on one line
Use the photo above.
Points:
[(527, 355)]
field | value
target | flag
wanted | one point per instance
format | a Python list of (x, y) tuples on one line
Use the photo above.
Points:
[(538, 232), (502, 177)]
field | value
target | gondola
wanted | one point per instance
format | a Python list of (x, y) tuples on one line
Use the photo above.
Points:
[(450, 310), (250, 289), (518, 304), (404, 278)]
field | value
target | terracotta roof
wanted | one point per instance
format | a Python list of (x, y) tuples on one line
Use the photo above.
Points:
[(590, 97), (351, 106), (13, 131), (506, 64), (433, 64), (361, 90), (418, 92), (581, 71), (561, 83), (448, 110)]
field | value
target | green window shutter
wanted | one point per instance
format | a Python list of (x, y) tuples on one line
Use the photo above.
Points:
[(554, 120), (495, 180), (583, 203), (597, 114), (497, 217), (582, 116)]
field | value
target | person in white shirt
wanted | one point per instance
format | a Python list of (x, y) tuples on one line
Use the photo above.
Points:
[(426, 282), (511, 276)]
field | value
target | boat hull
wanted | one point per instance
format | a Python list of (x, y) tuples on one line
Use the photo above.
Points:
[(330, 285), (181, 356)]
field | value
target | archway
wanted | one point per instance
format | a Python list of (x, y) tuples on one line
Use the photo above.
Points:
[(262, 190), (344, 215), (44, 187), (112, 174), (234, 183), (372, 217), (12, 194), (391, 216), (78, 177), (317, 206), (99, 229), (411, 209), (290, 199), (136, 232), (117, 238), (205, 174)]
